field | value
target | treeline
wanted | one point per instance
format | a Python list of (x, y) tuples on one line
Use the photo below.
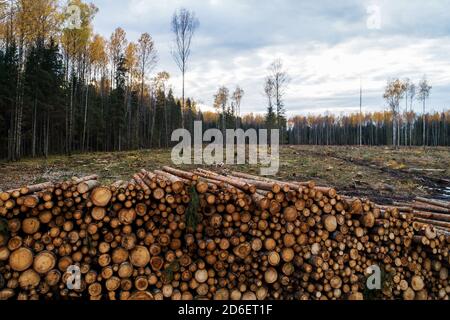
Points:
[(377, 129)]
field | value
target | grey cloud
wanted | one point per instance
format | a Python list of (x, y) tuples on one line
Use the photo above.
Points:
[(237, 39)]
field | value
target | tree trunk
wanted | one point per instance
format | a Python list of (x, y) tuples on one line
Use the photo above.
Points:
[(34, 125), (165, 120), (394, 131), (47, 135), (19, 129), (69, 116), (138, 111), (153, 102), (424, 126), (223, 122), (183, 100), (83, 143), (12, 135), (19, 106)]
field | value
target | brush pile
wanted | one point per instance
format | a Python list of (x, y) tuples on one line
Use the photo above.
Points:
[(180, 235)]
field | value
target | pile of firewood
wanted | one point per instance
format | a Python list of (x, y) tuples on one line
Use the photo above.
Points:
[(173, 234)]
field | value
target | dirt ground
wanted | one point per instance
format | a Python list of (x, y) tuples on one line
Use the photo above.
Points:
[(379, 173)]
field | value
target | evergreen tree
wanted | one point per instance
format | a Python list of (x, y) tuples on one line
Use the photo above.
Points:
[(9, 64)]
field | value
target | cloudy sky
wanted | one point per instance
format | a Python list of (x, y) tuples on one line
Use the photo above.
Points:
[(326, 47)]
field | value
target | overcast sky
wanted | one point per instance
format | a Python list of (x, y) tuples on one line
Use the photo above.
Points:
[(325, 45)]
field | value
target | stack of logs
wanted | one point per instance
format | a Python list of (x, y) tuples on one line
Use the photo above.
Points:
[(180, 235), (426, 212)]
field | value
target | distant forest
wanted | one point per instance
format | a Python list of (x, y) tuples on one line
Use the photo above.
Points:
[(67, 90)]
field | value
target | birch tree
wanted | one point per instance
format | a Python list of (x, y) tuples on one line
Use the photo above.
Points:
[(423, 95), (131, 67), (147, 59), (161, 81), (412, 95), (220, 104), (237, 96), (394, 93), (279, 80), (184, 25), (97, 60), (75, 42), (116, 49)]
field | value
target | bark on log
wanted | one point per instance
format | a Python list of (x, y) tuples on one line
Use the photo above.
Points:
[(438, 203)]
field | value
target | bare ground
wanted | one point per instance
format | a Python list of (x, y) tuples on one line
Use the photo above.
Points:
[(378, 173)]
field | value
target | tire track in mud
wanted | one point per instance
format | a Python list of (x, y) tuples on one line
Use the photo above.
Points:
[(435, 186)]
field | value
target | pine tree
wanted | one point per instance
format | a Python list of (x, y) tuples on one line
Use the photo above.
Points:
[(9, 68)]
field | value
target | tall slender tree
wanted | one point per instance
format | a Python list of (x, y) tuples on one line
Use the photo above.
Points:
[(394, 93), (184, 25), (220, 104), (280, 80), (116, 50), (147, 56), (360, 113), (412, 94), (423, 95), (131, 66), (237, 96), (161, 82), (407, 83)]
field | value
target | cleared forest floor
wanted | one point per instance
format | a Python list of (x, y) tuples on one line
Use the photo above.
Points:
[(376, 172)]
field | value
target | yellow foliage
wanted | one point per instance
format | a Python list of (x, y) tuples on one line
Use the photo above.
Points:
[(38, 19), (116, 45), (97, 51), (76, 41)]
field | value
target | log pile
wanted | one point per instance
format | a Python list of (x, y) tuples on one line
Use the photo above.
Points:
[(172, 234), (426, 212)]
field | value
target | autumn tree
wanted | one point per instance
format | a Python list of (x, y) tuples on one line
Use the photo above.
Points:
[(161, 82), (394, 93), (98, 56), (97, 73), (131, 62), (131, 67), (237, 96), (220, 104), (39, 20), (116, 50), (3, 11)]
